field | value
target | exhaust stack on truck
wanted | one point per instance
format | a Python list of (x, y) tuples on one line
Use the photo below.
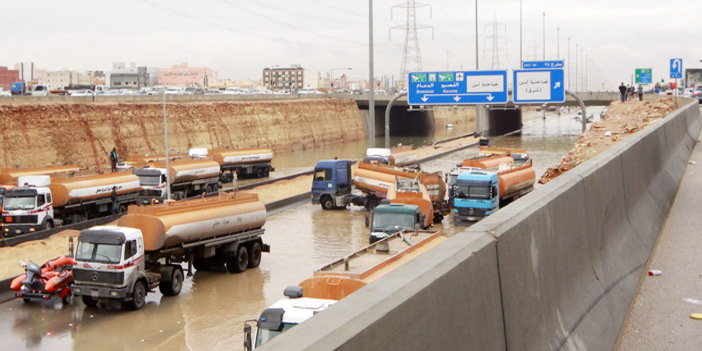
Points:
[(145, 250)]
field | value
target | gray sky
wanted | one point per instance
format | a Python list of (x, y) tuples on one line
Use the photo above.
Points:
[(239, 38)]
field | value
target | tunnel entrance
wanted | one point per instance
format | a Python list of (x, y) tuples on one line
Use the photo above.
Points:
[(404, 122), (502, 121)]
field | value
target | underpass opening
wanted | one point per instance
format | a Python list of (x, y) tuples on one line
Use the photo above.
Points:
[(503, 120)]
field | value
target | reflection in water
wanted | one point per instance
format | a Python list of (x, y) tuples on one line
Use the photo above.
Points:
[(211, 310)]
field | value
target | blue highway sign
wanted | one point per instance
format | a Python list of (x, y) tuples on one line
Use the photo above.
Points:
[(457, 88), (676, 68), (542, 64), (538, 86)]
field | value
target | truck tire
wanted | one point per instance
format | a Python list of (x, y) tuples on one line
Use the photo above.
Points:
[(138, 296), (372, 203), (174, 285), (47, 224), (255, 254), (239, 262), (266, 172), (438, 218), (327, 202), (122, 209), (68, 299), (259, 173), (202, 264), (89, 301)]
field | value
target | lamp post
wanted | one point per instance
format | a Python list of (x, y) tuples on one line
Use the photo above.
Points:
[(543, 57), (168, 159), (371, 98), (331, 77)]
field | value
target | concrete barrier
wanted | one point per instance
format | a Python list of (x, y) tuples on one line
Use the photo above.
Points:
[(568, 257), (448, 300)]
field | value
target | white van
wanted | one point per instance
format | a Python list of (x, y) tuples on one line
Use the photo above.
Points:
[(40, 90)]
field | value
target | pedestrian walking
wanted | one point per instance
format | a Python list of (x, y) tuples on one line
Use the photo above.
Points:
[(640, 90), (622, 91), (113, 159), (114, 199)]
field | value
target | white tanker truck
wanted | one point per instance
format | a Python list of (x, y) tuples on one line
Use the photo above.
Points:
[(42, 202), (188, 178), (123, 263)]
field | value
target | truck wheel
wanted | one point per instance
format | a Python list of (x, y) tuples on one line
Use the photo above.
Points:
[(327, 202), (438, 218), (259, 173), (122, 209), (89, 301), (68, 298), (138, 296), (172, 287), (255, 255), (47, 224), (266, 172), (372, 203), (238, 263)]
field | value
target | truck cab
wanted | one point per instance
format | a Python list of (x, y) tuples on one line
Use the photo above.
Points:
[(153, 184), (109, 264), (332, 180), (476, 196), (282, 316), (387, 219), (29, 207)]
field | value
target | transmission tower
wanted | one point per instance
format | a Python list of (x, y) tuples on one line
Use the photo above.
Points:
[(411, 57), (495, 37)]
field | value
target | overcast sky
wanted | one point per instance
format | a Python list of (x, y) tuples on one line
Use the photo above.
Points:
[(239, 38)]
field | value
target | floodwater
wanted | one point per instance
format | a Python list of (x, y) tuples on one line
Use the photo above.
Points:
[(209, 313)]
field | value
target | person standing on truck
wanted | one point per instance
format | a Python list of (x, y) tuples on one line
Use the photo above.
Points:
[(114, 199), (113, 159)]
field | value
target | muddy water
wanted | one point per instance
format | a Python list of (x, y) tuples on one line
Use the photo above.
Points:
[(210, 312)]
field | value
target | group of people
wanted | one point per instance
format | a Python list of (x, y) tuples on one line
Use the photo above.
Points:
[(628, 91)]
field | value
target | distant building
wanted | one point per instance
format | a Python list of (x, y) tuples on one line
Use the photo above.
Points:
[(66, 79), (182, 75), (7, 76), (96, 78), (284, 78)]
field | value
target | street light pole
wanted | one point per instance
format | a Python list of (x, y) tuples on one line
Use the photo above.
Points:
[(168, 159), (520, 34), (558, 43), (476, 35), (331, 77), (569, 86), (543, 57), (371, 98)]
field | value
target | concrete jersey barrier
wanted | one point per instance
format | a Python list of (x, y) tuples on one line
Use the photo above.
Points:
[(555, 270)]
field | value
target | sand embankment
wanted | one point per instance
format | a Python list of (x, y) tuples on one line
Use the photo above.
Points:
[(48, 134)]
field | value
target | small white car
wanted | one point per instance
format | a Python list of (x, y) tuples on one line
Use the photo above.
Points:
[(83, 93)]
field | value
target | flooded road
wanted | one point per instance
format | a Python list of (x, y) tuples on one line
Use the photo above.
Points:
[(209, 313)]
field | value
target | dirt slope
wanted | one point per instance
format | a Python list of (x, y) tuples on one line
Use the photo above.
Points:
[(621, 120)]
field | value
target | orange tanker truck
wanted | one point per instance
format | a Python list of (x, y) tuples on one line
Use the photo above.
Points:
[(187, 178), (337, 280), (9, 176), (145, 249), (333, 184), (253, 163), (42, 202), (487, 183)]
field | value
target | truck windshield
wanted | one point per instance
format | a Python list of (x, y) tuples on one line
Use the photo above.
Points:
[(265, 335), (473, 192), (150, 180), (18, 203), (94, 252), (323, 174), (392, 221)]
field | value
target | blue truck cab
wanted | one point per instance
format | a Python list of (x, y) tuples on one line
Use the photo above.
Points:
[(476, 196), (332, 182)]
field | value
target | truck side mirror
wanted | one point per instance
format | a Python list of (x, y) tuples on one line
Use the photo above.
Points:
[(367, 220), (247, 337)]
